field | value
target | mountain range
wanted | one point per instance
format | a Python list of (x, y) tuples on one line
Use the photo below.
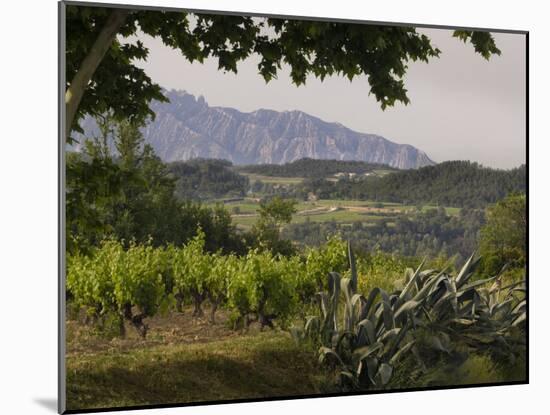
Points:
[(187, 127)]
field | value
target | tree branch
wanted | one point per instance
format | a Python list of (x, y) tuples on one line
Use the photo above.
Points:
[(78, 84)]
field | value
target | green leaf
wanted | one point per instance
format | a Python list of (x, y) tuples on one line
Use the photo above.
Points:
[(365, 351), (412, 281), (325, 352), (408, 306), (402, 351), (385, 372)]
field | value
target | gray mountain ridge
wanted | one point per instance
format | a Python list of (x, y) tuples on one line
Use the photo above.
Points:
[(187, 127)]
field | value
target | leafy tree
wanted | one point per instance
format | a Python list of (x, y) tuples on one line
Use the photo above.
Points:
[(91, 187), (118, 187), (203, 179), (221, 233), (504, 237), (273, 214), (101, 73), (277, 211)]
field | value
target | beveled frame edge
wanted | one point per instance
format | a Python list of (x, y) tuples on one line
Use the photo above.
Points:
[(61, 366)]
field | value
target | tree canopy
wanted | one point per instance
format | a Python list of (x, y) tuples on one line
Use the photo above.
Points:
[(504, 237), (273, 214), (118, 188), (102, 50)]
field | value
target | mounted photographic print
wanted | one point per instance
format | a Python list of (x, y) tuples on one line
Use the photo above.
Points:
[(278, 207)]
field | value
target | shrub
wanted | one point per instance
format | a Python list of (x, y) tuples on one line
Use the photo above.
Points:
[(262, 290)]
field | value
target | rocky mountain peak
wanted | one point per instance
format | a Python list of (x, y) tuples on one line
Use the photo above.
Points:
[(187, 127)]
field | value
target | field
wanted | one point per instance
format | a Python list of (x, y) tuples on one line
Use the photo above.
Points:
[(272, 179), (189, 359), (244, 212), (186, 359)]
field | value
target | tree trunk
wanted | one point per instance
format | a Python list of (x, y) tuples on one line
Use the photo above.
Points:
[(79, 83), (263, 318), (213, 312), (198, 298), (121, 328), (136, 320), (266, 320), (215, 302), (179, 302)]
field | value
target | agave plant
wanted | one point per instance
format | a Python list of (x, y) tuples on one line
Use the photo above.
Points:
[(374, 332)]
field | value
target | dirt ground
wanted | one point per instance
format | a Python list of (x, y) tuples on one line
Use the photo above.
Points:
[(172, 329)]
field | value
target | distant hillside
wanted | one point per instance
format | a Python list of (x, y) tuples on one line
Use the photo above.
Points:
[(201, 179), (308, 167), (452, 183), (187, 128)]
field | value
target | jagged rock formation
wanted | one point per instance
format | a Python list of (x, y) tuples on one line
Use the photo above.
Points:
[(187, 127)]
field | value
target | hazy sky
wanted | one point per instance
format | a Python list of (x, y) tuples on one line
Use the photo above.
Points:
[(462, 106)]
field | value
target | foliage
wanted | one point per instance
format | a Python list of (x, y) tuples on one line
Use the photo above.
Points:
[(119, 281), (220, 232), (192, 269), (89, 279), (203, 179), (332, 256), (91, 187), (484, 44), (277, 211), (379, 269), (262, 290), (119, 188), (408, 232), (451, 183), (224, 268), (504, 237), (310, 48), (313, 168), (430, 318), (273, 213)]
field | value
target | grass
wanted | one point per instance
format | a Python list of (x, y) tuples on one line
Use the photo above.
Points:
[(187, 360), (347, 211), (383, 172), (245, 222), (262, 365), (273, 179), (342, 216)]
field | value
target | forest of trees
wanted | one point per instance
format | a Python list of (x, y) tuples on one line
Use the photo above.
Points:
[(452, 183), (312, 168), (202, 179), (429, 233)]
